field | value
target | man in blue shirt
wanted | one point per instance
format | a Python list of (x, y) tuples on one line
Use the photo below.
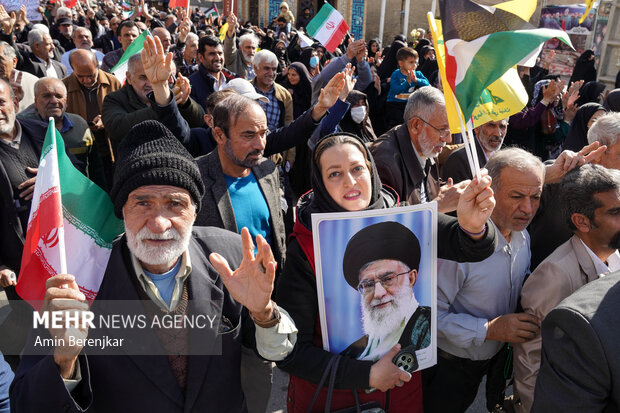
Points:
[(477, 302)]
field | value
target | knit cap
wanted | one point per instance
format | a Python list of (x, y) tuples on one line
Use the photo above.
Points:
[(151, 155)]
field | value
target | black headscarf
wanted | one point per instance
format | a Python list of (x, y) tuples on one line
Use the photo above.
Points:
[(305, 56), (390, 63), (323, 202), (420, 49), (370, 43), (584, 68), (612, 101), (364, 130), (577, 136), (302, 91), (590, 93)]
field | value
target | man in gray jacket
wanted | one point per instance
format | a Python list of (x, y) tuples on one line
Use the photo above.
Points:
[(239, 60)]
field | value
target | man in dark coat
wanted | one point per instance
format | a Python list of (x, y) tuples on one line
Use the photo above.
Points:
[(488, 139), (162, 261), (406, 154), (580, 370), (211, 74), (40, 61)]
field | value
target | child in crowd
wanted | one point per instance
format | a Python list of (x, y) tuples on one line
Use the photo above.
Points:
[(403, 82)]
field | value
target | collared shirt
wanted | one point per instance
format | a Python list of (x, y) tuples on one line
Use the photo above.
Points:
[(613, 261), (151, 289), (423, 190), (218, 84), (17, 140), (50, 70), (66, 123), (272, 109), (250, 75), (471, 294)]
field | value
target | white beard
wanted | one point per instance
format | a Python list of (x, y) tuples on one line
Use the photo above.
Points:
[(158, 255), (379, 323)]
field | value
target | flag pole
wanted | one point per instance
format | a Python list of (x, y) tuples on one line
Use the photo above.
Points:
[(471, 154), (475, 171), (61, 229)]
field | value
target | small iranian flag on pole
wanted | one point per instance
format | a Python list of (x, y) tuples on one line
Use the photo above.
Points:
[(328, 27), (120, 70), (71, 226)]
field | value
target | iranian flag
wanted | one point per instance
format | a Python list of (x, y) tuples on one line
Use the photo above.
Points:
[(71, 226), (328, 27), (120, 70), (482, 43)]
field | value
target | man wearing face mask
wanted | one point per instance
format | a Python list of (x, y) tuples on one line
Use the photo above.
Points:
[(356, 120)]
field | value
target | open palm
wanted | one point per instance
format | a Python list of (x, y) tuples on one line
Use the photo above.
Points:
[(252, 283), (157, 64)]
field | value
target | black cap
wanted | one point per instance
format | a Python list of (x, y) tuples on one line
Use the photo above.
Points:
[(64, 20), (383, 241), (151, 155)]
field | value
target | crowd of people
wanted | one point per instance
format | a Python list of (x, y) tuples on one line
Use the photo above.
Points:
[(218, 143)]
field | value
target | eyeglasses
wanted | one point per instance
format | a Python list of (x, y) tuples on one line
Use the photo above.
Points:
[(443, 133), (367, 287)]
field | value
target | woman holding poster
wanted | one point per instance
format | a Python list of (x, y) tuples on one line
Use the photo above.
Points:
[(344, 178)]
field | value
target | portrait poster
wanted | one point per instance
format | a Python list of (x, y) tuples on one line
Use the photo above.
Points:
[(31, 8), (357, 248)]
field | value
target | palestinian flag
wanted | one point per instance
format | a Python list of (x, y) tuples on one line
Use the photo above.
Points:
[(71, 225), (120, 70), (212, 12), (503, 98), (482, 43), (328, 27)]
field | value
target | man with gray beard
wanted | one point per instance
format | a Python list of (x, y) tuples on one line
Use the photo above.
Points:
[(176, 270), (381, 261)]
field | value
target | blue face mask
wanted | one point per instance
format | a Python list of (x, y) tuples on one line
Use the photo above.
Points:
[(314, 60)]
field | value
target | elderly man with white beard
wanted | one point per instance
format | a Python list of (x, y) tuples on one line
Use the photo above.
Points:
[(239, 60), (381, 261), (162, 261)]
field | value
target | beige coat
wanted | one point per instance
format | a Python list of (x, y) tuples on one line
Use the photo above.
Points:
[(562, 273), (76, 103)]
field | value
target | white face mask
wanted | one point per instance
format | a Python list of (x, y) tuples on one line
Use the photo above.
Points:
[(358, 114)]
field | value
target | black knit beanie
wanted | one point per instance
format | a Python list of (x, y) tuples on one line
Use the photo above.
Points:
[(151, 155)]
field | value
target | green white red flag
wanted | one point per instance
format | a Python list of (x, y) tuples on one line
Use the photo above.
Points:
[(482, 43), (328, 27), (120, 70), (71, 225)]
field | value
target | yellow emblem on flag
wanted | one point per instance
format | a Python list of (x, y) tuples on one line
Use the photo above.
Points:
[(505, 97), (223, 31)]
